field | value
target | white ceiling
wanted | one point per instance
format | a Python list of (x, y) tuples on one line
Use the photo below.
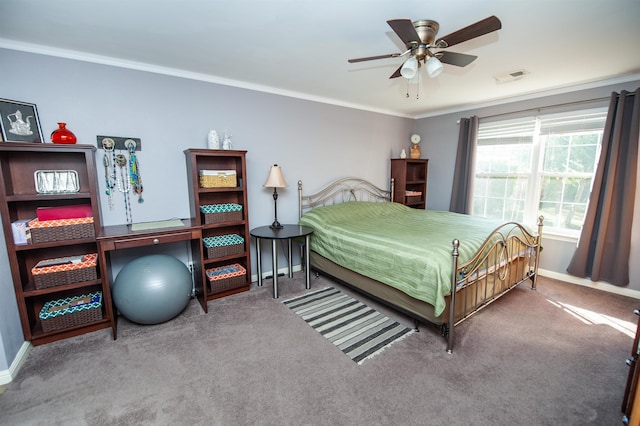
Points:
[(300, 47)]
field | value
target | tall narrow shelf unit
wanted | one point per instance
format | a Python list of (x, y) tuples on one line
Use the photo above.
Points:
[(225, 161), (19, 199), (410, 181)]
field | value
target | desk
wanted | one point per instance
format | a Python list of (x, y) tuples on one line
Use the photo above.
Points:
[(120, 237), (287, 232)]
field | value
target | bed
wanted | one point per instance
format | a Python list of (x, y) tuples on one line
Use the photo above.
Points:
[(410, 259)]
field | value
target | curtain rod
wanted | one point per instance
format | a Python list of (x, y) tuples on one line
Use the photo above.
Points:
[(587, 101)]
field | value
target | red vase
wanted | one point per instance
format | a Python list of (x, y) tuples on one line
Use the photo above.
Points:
[(63, 135)]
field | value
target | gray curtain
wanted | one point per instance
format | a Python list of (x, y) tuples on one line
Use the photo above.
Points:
[(462, 191), (605, 241)]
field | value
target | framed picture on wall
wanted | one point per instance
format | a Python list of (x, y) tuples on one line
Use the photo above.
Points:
[(19, 122)]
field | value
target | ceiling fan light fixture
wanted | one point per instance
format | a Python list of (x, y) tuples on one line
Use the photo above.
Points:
[(434, 66), (409, 68)]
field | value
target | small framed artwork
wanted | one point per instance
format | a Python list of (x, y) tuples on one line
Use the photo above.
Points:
[(19, 122)]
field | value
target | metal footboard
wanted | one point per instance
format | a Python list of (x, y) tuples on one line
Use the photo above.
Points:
[(508, 257)]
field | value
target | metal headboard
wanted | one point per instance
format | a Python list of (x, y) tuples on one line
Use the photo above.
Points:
[(342, 191)]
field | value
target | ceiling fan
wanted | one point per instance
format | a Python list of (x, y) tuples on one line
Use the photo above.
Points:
[(420, 38)]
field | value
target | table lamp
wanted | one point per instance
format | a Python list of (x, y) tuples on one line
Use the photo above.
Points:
[(275, 180)]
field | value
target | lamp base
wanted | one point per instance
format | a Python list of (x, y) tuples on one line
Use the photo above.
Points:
[(276, 225)]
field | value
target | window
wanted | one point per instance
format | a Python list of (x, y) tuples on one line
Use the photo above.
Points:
[(538, 166)]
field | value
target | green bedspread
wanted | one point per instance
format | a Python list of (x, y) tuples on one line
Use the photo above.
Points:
[(406, 248)]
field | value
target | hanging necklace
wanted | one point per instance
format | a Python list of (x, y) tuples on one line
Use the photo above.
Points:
[(124, 185), (134, 170), (109, 174)]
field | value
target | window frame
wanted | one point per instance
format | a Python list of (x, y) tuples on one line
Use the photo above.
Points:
[(536, 174)]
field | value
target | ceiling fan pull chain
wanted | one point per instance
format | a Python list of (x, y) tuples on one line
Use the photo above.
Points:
[(417, 90)]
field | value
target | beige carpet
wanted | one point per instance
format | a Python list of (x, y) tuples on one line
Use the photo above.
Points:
[(547, 357)]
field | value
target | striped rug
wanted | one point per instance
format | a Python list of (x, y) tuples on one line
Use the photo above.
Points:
[(356, 329)]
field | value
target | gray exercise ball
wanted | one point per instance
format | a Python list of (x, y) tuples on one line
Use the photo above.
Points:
[(152, 289)]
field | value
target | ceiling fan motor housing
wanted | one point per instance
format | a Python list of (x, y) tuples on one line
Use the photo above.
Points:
[(427, 31)]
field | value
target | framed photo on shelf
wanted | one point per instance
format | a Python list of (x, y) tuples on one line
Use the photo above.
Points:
[(19, 122)]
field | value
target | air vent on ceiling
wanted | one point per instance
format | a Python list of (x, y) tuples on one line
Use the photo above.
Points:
[(509, 77)]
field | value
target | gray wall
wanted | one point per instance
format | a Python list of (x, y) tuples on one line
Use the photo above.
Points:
[(11, 337), (440, 136), (311, 141)]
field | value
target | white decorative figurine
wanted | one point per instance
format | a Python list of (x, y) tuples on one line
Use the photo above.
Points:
[(403, 154), (213, 140), (226, 143)]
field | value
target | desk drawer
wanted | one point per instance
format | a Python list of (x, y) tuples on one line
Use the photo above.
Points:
[(152, 240)]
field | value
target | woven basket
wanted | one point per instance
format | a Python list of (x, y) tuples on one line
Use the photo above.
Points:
[(230, 250), (216, 286), (223, 245), (65, 277), (210, 218), (64, 270), (220, 281), (61, 233), (62, 313), (220, 213), (218, 179)]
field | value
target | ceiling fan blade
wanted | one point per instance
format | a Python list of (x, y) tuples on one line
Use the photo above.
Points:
[(483, 27), (371, 58), (397, 73), (457, 59), (405, 30)]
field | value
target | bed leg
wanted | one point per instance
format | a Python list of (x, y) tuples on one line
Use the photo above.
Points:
[(533, 281), (444, 330), (416, 327)]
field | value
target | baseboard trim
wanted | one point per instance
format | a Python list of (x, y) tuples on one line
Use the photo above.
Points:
[(281, 271), (599, 285), (7, 376)]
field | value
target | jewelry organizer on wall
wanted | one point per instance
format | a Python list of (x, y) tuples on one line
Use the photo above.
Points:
[(122, 171)]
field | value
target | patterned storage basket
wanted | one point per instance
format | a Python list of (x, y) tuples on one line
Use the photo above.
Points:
[(218, 213), (61, 229), (226, 277), (223, 245), (65, 270), (218, 178), (72, 311)]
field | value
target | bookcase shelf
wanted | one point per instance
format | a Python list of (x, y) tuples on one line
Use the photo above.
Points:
[(19, 199), (219, 160), (410, 181)]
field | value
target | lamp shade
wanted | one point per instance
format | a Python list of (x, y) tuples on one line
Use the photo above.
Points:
[(409, 68), (434, 66), (275, 178)]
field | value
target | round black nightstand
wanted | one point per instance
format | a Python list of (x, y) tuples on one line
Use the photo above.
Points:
[(287, 232)]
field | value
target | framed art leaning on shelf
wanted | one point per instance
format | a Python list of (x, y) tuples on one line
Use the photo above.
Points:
[(19, 122)]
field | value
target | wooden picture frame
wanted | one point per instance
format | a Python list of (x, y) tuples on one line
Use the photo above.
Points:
[(19, 122)]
